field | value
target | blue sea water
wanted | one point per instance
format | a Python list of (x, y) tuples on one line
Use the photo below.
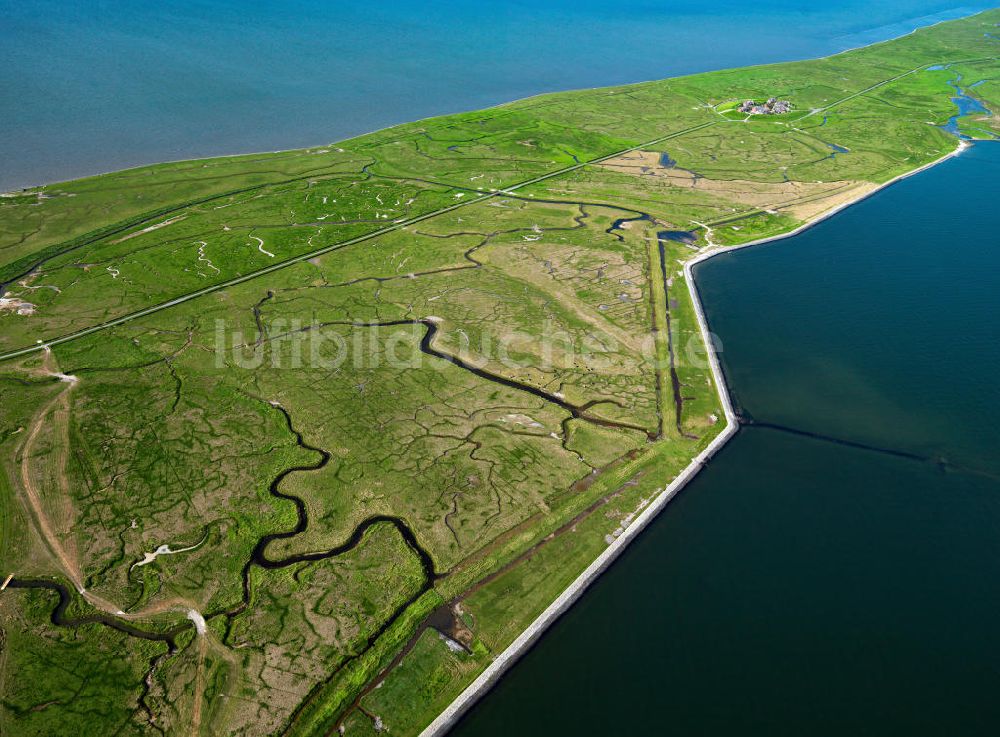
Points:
[(798, 586), (90, 85)]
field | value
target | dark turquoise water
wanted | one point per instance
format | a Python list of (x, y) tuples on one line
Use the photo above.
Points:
[(90, 85), (798, 586), (878, 325), (801, 586)]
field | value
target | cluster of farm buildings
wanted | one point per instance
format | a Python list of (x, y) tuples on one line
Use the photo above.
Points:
[(773, 106)]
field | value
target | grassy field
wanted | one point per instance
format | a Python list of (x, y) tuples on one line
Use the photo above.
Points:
[(300, 441)]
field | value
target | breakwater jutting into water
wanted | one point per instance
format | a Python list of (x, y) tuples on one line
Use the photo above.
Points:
[(840, 575), (802, 554)]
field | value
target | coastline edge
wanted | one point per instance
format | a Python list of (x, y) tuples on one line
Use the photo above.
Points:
[(472, 693)]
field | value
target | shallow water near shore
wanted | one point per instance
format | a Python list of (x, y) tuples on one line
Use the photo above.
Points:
[(89, 87), (800, 585)]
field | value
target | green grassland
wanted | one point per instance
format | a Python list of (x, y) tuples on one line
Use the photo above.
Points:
[(383, 400)]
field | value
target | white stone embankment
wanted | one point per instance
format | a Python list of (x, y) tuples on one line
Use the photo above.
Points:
[(478, 688)]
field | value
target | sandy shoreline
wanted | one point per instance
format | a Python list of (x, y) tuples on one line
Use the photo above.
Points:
[(479, 687)]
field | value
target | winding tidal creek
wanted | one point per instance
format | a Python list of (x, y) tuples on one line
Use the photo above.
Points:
[(836, 567)]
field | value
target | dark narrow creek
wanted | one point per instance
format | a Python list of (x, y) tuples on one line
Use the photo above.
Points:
[(259, 556), (836, 568), (841, 390)]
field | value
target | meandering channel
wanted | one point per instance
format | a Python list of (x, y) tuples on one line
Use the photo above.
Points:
[(836, 569)]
